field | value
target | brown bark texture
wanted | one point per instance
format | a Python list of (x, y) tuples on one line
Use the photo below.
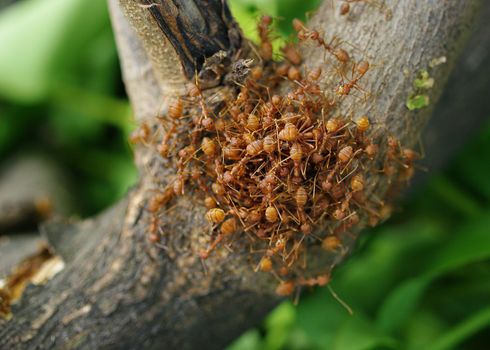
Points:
[(117, 290)]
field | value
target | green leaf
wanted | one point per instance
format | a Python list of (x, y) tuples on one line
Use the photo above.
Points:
[(386, 260), (470, 326), (264, 7), (424, 326), (320, 316), (360, 333), (279, 325), (417, 102), (245, 14), (38, 37), (401, 303), (98, 108), (248, 341), (29, 33), (289, 9), (424, 82), (470, 244), (248, 12)]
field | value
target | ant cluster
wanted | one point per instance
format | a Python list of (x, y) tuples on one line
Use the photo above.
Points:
[(272, 166)]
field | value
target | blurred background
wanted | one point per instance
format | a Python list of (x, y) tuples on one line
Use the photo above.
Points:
[(419, 281)]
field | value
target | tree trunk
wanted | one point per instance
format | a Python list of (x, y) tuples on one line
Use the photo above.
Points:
[(117, 290)]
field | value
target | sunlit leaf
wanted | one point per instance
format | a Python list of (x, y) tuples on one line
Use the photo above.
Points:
[(279, 324), (417, 102), (248, 341), (359, 333), (38, 37)]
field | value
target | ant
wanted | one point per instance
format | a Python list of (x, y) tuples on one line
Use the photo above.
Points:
[(304, 34), (344, 89)]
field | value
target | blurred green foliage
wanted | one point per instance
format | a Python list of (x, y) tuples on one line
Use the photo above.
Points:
[(420, 281), (61, 94), (248, 12)]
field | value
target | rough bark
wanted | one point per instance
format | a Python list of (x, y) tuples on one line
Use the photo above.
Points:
[(119, 291), (196, 30)]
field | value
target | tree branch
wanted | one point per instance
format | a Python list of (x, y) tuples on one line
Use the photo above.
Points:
[(145, 92), (196, 29), (119, 290)]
